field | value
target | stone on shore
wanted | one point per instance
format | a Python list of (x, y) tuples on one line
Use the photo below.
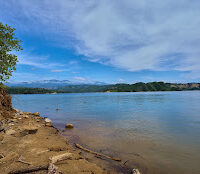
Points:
[(47, 120), (27, 113), (48, 124), (10, 132), (1, 137), (1, 126), (16, 110), (36, 114), (21, 113), (69, 126), (135, 171)]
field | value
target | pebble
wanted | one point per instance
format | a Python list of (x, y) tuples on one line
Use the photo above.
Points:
[(36, 113), (16, 110), (48, 125), (135, 171), (1, 126), (47, 120), (11, 124), (1, 137), (69, 126), (27, 113), (26, 116), (21, 113), (10, 132)]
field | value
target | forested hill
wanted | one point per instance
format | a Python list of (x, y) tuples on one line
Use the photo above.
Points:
[(137, 87), (22, 90), (153, 86)]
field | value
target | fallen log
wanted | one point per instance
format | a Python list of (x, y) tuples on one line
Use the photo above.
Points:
[(96, 153), (30, 169)]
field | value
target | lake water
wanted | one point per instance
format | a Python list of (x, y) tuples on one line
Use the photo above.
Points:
[(157, 132)]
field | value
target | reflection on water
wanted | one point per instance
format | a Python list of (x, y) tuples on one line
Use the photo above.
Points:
[(158, 132)]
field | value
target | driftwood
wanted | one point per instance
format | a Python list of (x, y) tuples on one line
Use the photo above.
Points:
[(96, 153), (51, 168), (61, 157), (30, 169)]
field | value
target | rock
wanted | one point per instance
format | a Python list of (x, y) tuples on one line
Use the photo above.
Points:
[(27, 113), (28, 131), (1, 126), (1, 129), (13, 120), (69, 126), (135, 171), (1, 137), (11, 124), (1, 156), (47, 120), (10, 132), (21, 113), (26, 116), (36, 114), (48, 125), (16, 110), (57, 148)]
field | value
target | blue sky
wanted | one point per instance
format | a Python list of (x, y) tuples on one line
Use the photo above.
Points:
[(109, 41)]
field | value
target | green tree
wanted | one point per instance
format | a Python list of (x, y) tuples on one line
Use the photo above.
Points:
[(9, 45)]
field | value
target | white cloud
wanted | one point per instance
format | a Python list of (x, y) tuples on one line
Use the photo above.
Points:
[(59, 70), (36, 61), (79, 78), (130, 34)]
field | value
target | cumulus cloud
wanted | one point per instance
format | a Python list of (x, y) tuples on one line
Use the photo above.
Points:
[(132, 34)]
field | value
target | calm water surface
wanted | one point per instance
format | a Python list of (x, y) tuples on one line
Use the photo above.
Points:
[(158, 132)]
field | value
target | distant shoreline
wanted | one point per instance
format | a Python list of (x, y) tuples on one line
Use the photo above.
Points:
[(99, 92), (137, 87)]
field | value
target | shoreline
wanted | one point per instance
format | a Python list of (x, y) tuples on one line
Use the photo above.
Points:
[(26, 140), (103, 92)]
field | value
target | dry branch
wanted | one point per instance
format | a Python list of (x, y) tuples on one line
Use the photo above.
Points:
[(61, 157), (96, 153), (30, 169)]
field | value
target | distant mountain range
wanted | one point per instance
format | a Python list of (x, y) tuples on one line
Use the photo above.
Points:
[(51, 84)]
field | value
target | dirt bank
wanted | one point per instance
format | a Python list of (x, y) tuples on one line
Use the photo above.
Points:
[(5, 99), (27, 141)]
